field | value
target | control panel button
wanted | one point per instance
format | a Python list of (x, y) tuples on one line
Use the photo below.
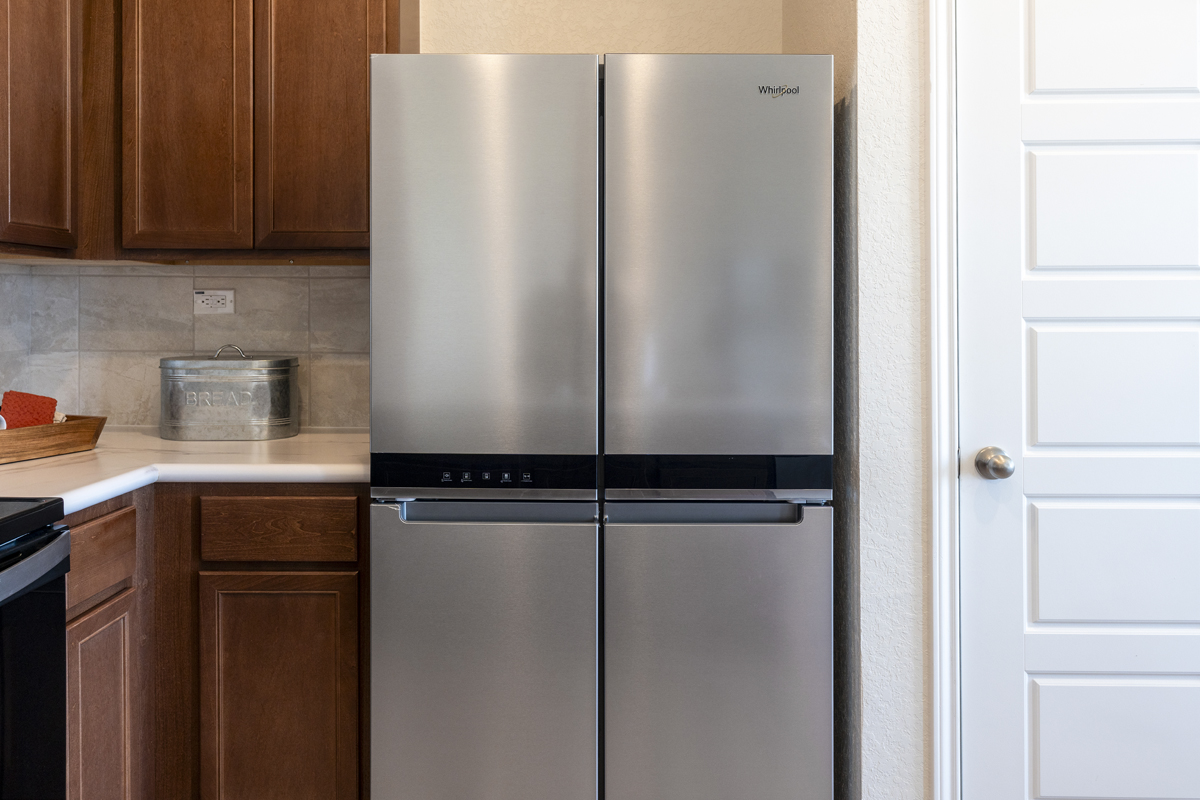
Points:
[(506, 477), (446, 476), (526, 477), (466, 477), (485, 476)]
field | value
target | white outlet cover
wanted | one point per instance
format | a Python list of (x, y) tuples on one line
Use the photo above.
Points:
[(212, 301)]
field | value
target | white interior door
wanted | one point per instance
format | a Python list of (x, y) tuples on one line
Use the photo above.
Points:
[(1079, 274)]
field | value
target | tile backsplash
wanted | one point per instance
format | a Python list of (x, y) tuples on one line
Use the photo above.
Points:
[(91, 334)]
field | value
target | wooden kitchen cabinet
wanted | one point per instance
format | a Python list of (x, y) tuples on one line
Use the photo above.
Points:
[(311, 121), (40, 43), (216, 643), (260, 607), (246, 122), (189, 120), (191, 131), (107, 700), (103, 556), (279, 528), (279, 685), (102, 740)]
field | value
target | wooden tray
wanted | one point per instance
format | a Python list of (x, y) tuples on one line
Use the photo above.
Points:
[(39, 441)]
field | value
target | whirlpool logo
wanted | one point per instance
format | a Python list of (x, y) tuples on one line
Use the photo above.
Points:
[(778, 91)]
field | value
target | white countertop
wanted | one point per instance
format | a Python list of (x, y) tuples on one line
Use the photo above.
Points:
[(129, 458)]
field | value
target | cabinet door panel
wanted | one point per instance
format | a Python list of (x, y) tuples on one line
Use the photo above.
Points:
[(39, 112), (279, 685), (311, 121), (100, 717), (188, 119)]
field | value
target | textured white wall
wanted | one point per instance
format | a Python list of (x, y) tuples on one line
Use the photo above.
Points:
[(881, 302), (893, 401), (607, 26)]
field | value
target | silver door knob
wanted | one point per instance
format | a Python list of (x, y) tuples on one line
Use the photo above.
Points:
[(994, 464)]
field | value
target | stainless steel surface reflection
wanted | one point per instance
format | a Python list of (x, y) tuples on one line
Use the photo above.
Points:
[(718, 653), (484, 671), (484, 211), (719, 254)]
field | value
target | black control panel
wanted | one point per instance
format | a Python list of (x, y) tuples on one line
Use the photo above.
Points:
[(718, 472), (487, 477), (456, 470), (421, 470)]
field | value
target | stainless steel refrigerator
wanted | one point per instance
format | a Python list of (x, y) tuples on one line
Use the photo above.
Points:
[(600, 543)]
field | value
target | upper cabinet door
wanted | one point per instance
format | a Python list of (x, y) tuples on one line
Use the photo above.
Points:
[(188, 120), (312, 137), (39, 117)]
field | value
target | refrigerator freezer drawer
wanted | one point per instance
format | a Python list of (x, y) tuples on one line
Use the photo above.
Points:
[(483, 651), (718, 659), (718, 254), (484, 243)]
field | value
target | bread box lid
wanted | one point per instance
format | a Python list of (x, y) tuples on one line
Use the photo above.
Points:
[(224, 361)]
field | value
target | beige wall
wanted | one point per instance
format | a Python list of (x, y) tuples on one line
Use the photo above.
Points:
[(823, 26), (604, 26)]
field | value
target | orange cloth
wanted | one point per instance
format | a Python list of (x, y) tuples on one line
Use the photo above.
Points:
[(21, 410)]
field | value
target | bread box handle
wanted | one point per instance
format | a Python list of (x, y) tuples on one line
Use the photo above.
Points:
[(234, 346)]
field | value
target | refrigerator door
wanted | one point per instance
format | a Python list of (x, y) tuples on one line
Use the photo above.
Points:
[(484, 651), (718, 254), (718, 652), (484, 217)]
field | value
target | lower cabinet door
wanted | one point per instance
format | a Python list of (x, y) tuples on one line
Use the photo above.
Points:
[(100, 710), (279, 685)]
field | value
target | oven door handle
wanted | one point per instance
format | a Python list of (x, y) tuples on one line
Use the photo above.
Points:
[(31, 572)]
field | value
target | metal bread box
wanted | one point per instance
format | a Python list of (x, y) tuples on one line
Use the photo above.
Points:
[(229, 397)]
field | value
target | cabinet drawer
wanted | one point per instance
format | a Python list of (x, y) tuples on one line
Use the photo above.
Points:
[(103, 553), (279, 528)]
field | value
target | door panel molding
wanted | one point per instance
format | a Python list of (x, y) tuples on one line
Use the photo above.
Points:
[(943, 442)]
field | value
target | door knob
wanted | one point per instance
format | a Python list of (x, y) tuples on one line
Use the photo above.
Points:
[(994, 464)]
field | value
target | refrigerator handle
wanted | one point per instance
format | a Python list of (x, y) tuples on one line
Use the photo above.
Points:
[(703, 513), (441, 511), (805, 496)]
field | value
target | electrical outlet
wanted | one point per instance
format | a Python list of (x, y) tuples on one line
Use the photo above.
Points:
[(213, 301)]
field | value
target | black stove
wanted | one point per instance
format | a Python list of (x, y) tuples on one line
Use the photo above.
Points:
[(34, 559), (20, 515)]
